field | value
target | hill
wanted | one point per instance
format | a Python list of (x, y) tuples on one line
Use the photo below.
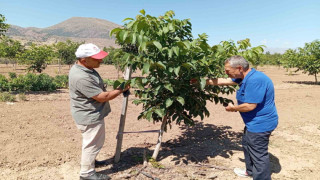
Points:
[(76, 29)]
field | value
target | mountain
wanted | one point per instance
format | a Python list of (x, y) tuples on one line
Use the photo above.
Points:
[(76, 29)]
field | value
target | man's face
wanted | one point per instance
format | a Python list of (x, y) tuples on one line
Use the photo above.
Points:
[(233, 72), (91, 63)]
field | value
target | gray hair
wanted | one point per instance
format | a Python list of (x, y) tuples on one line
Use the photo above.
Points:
[(237, 60)]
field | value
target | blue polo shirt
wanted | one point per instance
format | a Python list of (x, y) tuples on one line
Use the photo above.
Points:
[(258, 88)]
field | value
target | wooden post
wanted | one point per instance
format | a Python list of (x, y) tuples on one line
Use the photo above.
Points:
[(122, 119)]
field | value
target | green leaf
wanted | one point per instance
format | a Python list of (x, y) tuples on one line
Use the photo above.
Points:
[(177, 70), (169, 87), (202, 83), (143, 46), (188, 66), (117, 83), (149, 115), (180, 100), (170, 51), (160, 64), (143, 12), (140, 39), (130, 24), (160, 112), (165, 30), (146, 67), (157, 90), (125, 34), (113, 31), (187, 44), (138, 82), (176, 50), (158, 45), (126, 19), (169, 102), (170, 26), (134, 38)]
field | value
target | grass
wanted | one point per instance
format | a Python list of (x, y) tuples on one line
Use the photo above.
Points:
[(7, 97)]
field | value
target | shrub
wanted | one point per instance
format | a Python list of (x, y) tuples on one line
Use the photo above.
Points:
[(44, 83), (22, 97), (19, 84), (3, 83), (7, 97), (61, 81), (12, 75), (32, 82)]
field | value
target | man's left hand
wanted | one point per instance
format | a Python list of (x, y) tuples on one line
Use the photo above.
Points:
[(231, 108)]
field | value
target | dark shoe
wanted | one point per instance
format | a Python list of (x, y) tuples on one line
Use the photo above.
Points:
[(100, 163), (96, 176)]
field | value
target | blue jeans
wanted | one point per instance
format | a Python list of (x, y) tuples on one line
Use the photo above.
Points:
[(255, 148)]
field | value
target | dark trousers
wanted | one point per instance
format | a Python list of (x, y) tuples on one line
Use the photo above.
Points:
[(255, 148)]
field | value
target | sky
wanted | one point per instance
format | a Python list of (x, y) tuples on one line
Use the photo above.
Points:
[(277, 24)]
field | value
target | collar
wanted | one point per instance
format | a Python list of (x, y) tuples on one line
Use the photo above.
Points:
[(248, 75), (84, 68)]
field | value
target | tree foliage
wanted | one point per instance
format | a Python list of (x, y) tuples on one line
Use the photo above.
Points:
[(165, 51), (37, 57), (242, 48), (66, 51), (3, 26), (10, 48), (306, 59), (271, 59)]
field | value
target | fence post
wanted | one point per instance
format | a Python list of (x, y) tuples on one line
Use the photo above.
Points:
[(122, 118)]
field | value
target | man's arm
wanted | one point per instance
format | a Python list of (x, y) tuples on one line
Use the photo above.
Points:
[(245, 107), (109, 95), (220, 82)]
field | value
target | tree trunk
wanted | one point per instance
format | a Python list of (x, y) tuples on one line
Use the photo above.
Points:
[(59, 71), (157, 149)]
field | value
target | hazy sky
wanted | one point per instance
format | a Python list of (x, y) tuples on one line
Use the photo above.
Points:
[(277, 24)]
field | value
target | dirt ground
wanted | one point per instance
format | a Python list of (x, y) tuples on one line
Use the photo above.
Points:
[(39, 139)]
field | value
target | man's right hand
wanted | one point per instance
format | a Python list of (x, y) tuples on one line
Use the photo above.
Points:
[(193, 81)]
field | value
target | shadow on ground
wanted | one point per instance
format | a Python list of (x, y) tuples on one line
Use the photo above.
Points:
[(303, 82), (195, 145), (275, 164)]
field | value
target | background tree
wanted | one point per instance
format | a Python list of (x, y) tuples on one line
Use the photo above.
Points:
[(306, 59), (165, 51), (37, 57), (290, 59), (271, 59), (310, 59), (111, 58), (66, 52), (10, 49), (3, 26)]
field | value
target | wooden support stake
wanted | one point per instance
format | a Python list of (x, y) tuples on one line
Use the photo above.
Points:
[(122, 119)]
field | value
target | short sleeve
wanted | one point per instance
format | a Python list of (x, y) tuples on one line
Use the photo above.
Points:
[(238, 81), (255, 92), (88, 87)]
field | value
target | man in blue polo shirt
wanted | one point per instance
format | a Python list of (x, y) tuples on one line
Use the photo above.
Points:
[(257, 107)]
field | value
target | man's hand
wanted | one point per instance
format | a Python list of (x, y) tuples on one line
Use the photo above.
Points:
[(193, 81), (231, 108)]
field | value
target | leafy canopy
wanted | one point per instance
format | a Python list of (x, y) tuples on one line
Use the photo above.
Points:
[(306, 59), (168, 56), (3, 26)]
